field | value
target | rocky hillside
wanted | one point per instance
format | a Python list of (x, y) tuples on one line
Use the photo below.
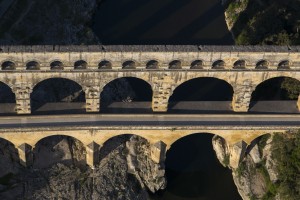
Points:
[(266, 169), (59, 171)]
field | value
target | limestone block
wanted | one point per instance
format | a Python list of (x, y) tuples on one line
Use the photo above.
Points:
[(255, 154), (25, 154), (92, 154), (237, 152), (158, 152)]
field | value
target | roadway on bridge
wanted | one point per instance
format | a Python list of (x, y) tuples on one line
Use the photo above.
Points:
[(236, 120)]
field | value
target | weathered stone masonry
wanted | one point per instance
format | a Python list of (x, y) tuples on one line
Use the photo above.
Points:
[(163, 79)]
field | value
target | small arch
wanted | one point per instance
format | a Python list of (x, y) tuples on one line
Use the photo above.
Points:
[(80, 64), (239, 64), (32, 65), (8, 65), (197, 64), (152, 64), (175, 64), (262, 64), (219, 64), (129, 64), (284, 65), (56, 65), (105, 64)]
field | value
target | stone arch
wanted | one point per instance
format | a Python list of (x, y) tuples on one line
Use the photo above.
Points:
[(276, 94), (197, 64), (175, 64), (262, 64), (152, 64), (219, 64), (129, 64), (56, 96), (56, 65), (32, 65), (239, 64), (8, 65), (284, 65), (104, 64), (7, 99), (198, 95), (80, 64), (193, 156), (64, 149), (137, 98)]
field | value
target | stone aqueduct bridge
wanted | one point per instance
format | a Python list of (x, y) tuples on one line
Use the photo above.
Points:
[(163, 67)]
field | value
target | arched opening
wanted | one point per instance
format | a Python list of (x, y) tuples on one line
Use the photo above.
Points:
[(197, 64), (152, 64), (32, 65), (262, 64), (56, 65), (80, 64), (239, 64), (276, 95), (202, 95), (129, 65), (219, 64), (126, 95), (8, 65), (59, 149), (194, 172), (133, 154), (104, 64), (9, 163), (57, 96), (284, 65), (175, 64), (7, 100)]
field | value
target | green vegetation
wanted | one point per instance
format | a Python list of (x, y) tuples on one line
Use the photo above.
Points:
[(271, 22), (286, 152)]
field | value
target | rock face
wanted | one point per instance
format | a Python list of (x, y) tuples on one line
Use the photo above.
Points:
[(252, 166), (59, 171)]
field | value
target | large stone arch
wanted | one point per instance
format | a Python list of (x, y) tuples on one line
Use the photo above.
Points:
[(57, 92), (192, 159), (136, 98), (58, 148), (202, 93), (276, 94)]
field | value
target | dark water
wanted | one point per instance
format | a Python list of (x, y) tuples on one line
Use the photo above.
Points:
[(194, 173), (161, 22)]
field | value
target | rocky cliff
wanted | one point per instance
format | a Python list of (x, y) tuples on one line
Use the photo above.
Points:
[(268, 168), (125, 171)]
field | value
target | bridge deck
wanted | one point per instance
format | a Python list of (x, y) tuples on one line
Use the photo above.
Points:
[(154, 120)]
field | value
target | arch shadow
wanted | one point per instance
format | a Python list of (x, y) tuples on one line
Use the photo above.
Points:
[(276, 95), (126, 95), (7, 100), (202, 95), (57, 96), (9, 159)]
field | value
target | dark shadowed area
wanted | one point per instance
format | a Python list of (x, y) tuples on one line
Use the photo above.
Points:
[(161, 22)]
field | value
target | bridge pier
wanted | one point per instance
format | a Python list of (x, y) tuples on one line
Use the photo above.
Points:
[(158, 152), (25, 154), (242, 97), (92, 98), (22, 93), (161, 94), (92, 154)]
